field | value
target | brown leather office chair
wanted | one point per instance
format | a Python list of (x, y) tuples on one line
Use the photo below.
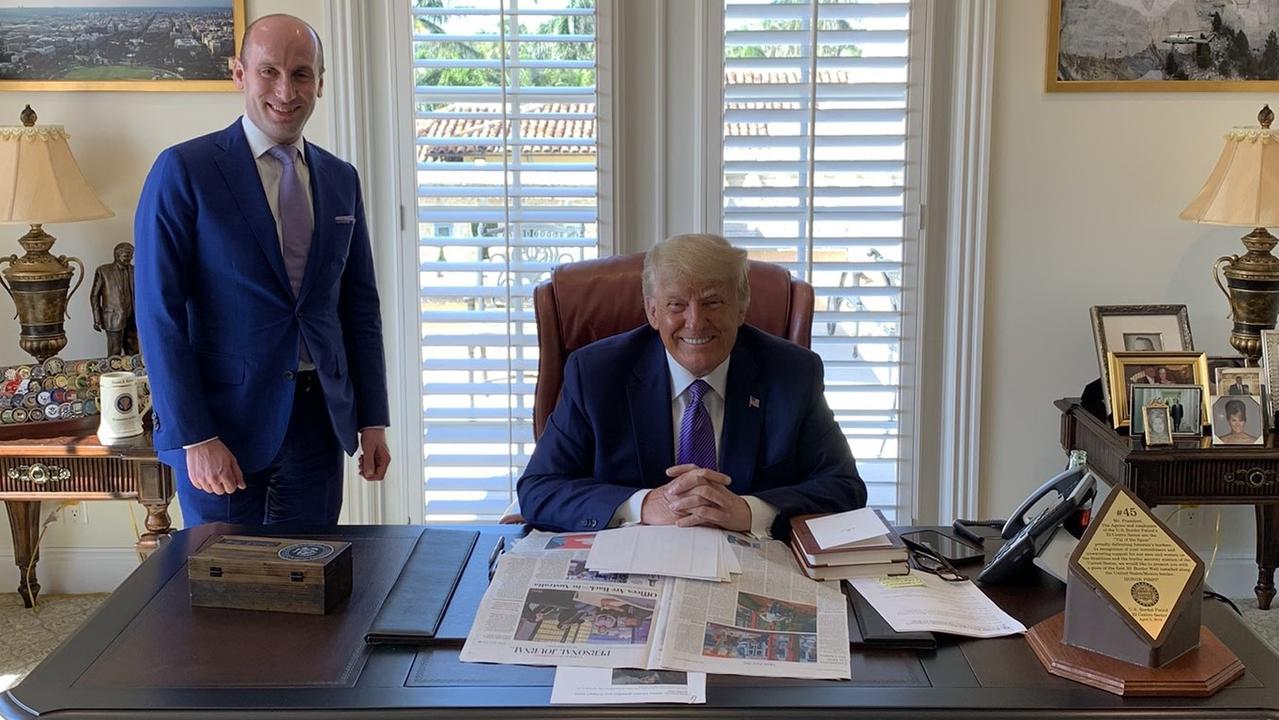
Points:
[(590, 300)]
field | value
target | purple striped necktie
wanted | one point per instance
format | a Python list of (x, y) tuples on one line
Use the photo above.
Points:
[(696, 434), (296, 223)]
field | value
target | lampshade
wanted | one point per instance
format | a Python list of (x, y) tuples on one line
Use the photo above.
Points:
[(40, 181), (1243, 189)]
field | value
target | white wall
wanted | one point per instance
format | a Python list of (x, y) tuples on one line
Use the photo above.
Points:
[(115, 136), (1084, 194)]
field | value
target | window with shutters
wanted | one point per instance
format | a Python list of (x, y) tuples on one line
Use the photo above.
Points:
[(816, 141), (507, 188)]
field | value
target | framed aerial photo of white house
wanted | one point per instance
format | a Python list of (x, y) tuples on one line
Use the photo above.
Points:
[(1162, 46), (119, 44)]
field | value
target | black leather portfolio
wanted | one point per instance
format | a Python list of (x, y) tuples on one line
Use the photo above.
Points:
[(416, 603), (868, 629)]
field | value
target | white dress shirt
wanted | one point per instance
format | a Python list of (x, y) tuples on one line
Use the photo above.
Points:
[(762, 514)]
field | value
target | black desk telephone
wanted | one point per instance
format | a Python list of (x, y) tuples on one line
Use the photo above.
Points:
[(1075, 488)]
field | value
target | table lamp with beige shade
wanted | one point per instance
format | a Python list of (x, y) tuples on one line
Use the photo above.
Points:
[(1243, 190), (40, 183)]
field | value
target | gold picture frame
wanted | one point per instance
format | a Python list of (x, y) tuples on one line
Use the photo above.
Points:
[(1180, 368), (104, 20), (1185, 37), (1154, 435), (1112, 326)]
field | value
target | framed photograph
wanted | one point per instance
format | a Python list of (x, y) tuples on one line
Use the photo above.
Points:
[(1139, 368), (1137, 328), (114, 45), (1221, 361), (1187, 411), (1158, 425), (1147, 46), (1236, 420), (1270, 364), (1238, 381)]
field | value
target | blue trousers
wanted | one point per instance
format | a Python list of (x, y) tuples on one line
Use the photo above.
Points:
[(302, 485)]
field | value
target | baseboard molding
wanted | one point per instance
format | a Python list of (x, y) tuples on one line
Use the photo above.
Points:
[(73, 570)]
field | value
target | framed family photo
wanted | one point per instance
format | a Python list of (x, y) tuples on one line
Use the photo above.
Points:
[(1158, 425), (119, 45), (1159, 46), (1187, 409), (1140, 368), (1237, 420), (1137, 328)]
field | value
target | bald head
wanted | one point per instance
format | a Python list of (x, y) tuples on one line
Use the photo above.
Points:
[(281, 23), (280, 69)]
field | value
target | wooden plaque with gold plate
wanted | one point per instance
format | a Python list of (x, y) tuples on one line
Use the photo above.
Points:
[(1134, 592)]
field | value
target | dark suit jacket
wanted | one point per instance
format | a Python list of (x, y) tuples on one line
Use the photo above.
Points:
[(216, 313), (611, 433)]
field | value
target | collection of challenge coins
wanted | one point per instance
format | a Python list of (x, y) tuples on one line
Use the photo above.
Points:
[(58, 389)]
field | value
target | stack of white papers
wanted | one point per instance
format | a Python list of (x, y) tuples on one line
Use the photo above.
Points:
[(695, 553), (855, 528), (921, 601)]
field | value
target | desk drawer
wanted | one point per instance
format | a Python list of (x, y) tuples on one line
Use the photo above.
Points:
[(35, 475), (1225, 480)]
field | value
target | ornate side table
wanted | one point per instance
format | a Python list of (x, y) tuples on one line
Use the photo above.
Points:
[(75, 466), (1192, 471)]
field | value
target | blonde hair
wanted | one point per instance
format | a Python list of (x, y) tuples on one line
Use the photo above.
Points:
[(699, 256)]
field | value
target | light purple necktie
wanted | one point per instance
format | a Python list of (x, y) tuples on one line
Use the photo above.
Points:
[(696, 434), (296, 223)]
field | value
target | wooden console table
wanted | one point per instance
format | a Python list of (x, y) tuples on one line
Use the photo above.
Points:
[(1192, 471), (77, 467)]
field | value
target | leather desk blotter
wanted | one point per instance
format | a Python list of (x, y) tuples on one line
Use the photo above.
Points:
[(416, 604), (868, 629), (216, 648)]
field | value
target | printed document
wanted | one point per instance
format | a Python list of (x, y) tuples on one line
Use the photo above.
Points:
[(545, 607), (602, 686), (922, 601), (697, 553), (847, 527)]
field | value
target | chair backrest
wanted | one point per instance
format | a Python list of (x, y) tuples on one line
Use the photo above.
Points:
[(590, 300)]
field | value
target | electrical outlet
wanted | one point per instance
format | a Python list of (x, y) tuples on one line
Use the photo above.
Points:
[(1190, 516), (78, 513)]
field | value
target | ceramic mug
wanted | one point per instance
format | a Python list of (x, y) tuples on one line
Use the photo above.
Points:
[(121, 406)]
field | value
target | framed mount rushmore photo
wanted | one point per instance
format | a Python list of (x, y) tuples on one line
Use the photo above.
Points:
[(1162, 45)]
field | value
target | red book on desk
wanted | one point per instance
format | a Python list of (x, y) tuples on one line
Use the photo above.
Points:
[(880, 549)]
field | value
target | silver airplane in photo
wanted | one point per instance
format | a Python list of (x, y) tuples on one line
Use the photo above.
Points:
[(1188, 38)]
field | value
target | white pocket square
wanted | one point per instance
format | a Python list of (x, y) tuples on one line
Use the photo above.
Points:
[(344, 219)]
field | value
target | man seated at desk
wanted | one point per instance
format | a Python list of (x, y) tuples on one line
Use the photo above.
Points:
[(694, 419)]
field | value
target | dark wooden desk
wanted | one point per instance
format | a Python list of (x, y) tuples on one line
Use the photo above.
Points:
[(1192, 471), (78, 467), (91, 676)]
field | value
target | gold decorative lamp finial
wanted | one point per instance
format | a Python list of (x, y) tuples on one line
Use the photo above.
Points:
[(1243, 190), (40, 183)]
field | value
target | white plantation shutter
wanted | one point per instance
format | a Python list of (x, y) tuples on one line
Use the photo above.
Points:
[(505, 108), (815, 176)]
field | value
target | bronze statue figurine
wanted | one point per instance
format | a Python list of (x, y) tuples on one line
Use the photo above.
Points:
[(112, 302)]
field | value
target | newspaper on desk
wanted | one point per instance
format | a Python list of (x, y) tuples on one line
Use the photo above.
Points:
[(544, 607)]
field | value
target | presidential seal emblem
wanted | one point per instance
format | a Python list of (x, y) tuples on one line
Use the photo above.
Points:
[(305, 551)]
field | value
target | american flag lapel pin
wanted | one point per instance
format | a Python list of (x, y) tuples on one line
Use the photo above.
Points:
[(753, 401)]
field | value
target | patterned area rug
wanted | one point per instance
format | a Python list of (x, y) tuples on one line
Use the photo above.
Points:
[(27, 636)]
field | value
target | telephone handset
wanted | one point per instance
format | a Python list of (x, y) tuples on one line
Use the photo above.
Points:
[(1074, 487)]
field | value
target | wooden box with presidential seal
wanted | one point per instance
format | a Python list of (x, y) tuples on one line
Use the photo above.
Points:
[(296, 575)]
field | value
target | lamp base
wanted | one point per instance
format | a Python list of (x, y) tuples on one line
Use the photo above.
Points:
[(1252, 288), (38, 284)]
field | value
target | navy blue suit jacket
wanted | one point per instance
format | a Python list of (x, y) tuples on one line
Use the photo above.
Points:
[(611, 434), (217, 319)]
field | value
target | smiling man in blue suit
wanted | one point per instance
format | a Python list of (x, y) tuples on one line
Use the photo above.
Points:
[(256, 303), (693, 419)]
